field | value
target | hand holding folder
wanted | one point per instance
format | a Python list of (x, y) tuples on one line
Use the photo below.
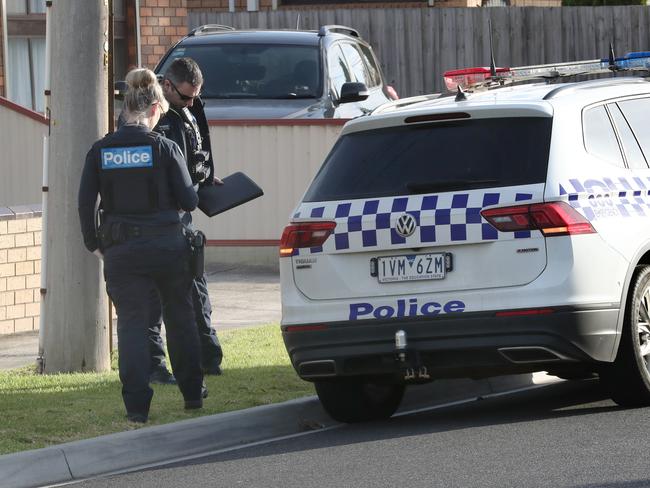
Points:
[(236, 190)]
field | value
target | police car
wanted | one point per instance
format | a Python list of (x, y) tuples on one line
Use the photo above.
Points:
[(492, 232)]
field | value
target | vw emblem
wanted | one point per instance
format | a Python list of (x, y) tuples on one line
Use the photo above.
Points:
[(405, 225)]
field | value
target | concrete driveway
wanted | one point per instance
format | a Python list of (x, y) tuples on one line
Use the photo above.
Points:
[(242, 296)]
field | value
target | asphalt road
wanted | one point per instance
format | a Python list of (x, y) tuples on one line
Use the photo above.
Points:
[(565, 435)]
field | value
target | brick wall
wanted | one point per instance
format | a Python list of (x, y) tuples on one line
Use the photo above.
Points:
[(162, 23), (20, 269)]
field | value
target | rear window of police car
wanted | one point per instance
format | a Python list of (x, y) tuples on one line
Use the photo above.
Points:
[(435, 157)]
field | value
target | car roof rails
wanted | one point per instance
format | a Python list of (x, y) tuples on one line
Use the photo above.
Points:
[(561, 89), (471, 79), (338, 29), (210, 29)]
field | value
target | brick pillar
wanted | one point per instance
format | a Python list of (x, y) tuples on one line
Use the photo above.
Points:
[(20, 269), (162, 23)]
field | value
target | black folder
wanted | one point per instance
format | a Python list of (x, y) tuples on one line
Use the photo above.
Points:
[(236, 189)]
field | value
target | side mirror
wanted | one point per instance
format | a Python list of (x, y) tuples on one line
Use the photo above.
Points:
[(119, 88), (353, 92)]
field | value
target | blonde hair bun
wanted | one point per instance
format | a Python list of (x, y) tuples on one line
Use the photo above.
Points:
[(140, 78), (143, 92)]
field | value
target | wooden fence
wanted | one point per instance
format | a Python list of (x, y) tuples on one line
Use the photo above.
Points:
[(416, 46)]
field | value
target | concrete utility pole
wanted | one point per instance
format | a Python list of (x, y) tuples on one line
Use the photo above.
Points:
[(75, 336)]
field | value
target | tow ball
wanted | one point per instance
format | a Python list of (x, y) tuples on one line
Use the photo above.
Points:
[(409, 359)]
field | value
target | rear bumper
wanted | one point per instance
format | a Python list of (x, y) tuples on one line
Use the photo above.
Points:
[(456, 345)]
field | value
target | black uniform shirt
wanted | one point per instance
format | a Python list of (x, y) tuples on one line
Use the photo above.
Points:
[(172, 126), (180, 183)]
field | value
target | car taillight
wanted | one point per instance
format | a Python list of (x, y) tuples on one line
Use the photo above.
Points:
[(304, 234), (552, 219)]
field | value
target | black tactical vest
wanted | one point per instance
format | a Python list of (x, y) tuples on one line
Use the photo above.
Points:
[(133, 179)]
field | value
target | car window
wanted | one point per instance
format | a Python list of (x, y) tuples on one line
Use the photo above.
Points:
[(631, 147), (429, 158), (338, 69), (600, 139), (356, 63), (636, 113), (374, 76), (255, 71)]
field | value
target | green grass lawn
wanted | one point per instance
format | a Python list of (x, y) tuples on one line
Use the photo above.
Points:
[(41, 410)]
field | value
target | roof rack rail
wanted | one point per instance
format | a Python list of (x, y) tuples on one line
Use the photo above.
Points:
[(340, 29), (482, 78), (209, 29), (572, 87)]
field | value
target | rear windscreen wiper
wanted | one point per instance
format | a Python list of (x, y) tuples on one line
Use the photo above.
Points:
[(447, 185)]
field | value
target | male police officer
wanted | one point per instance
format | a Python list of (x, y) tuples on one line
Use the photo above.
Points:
[(185, 124)]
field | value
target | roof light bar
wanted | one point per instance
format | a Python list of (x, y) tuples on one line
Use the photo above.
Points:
[(472, 78)]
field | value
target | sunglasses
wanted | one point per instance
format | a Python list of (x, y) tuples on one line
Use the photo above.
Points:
[(185, 98)]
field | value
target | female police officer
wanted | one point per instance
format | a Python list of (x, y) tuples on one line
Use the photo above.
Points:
[(143, 180)]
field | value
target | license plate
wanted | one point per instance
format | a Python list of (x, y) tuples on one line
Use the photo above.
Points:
[(413, 267)]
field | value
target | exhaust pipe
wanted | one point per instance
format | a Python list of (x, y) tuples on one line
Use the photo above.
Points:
[(532, 354)]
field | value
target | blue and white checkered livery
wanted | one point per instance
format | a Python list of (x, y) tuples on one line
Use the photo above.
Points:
[(444, 218)]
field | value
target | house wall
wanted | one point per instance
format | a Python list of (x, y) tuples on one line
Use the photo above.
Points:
[(162, 23)]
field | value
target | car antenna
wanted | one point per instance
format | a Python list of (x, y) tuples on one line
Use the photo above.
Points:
[(612, 58), (493, 66), (298, 22), (460, 95)]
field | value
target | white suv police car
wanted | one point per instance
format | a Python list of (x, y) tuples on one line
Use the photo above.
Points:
[(495, 232)]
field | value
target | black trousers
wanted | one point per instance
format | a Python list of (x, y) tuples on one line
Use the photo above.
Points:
[(211, 352), (134, 271)]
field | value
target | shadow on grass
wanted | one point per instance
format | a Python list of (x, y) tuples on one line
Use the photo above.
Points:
[(38, 411)]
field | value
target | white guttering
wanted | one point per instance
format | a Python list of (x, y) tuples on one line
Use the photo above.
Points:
[(138, 48), (5, 48)]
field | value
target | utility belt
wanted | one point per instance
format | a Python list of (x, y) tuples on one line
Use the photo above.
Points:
[(114, 233)]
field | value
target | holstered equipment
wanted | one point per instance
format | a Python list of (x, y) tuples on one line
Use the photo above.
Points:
[(196, 240)]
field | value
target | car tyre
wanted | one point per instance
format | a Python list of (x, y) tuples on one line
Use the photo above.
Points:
[(628, 378), (359, 400)]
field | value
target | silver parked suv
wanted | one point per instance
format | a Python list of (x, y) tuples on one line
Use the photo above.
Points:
[(269, 74), (496, 231)]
